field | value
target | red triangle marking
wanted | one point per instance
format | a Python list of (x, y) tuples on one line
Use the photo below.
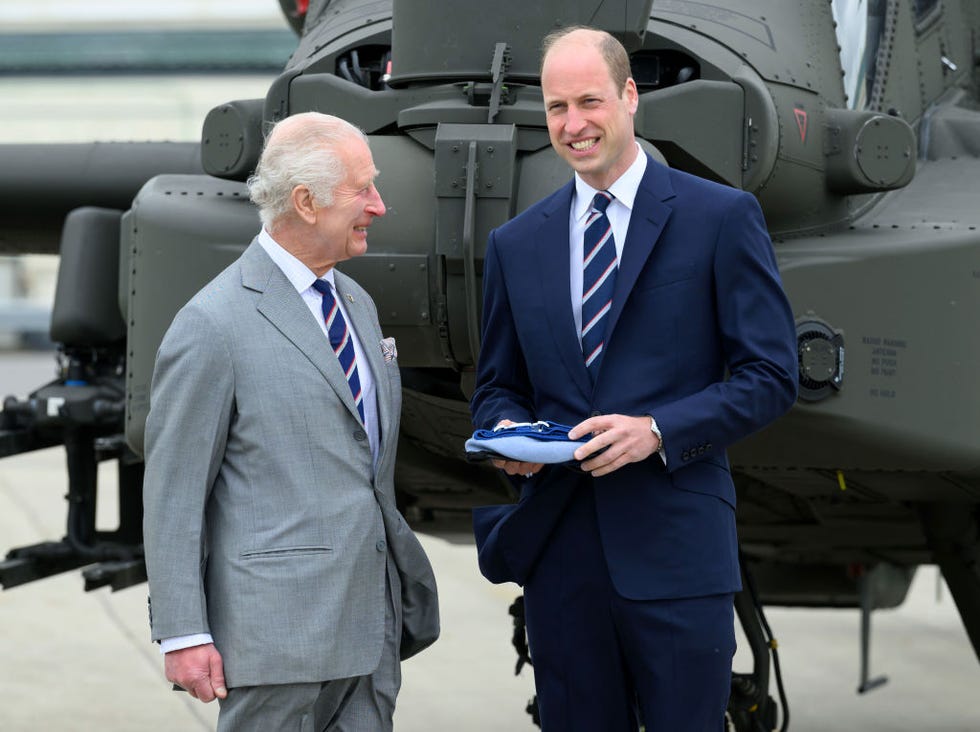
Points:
[(801, 122)]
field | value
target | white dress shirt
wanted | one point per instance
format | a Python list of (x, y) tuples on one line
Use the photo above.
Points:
[(619, 211)]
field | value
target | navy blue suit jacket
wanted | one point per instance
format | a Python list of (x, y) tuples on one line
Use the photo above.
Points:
[(700, 335)]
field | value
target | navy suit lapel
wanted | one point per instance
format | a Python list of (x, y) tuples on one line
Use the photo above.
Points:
[(553, 262), (647, 222)]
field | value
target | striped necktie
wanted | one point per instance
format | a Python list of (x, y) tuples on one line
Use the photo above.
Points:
[(340, 340), (598, 281)]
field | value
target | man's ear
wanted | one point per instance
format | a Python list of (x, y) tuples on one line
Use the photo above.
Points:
[(304, 204), (632, 95)]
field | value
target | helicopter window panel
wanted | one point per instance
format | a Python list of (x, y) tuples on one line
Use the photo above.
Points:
[(367, 66), (662, 68), (860, 24)]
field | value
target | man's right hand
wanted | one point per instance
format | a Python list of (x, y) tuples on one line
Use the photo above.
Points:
[(199, 670), (515, 467)]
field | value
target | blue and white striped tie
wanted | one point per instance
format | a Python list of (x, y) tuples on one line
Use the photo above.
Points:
[(340, 340), (598, 281)]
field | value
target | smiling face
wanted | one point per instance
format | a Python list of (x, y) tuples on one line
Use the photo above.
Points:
[(322, 234), (342, 226), (590, 120)]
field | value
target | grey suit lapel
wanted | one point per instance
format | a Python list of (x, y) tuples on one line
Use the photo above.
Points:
[(283, 307)]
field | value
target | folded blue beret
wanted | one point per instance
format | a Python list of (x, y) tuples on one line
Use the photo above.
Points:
[(532, 442)]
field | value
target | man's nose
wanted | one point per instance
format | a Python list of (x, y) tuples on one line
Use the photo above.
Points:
[(376, 207), (574, 121)]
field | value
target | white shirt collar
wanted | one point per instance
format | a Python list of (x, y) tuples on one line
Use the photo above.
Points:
[(299, 275), (623, 188)]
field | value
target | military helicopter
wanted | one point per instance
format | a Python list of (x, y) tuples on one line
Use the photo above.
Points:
[(857, 126)]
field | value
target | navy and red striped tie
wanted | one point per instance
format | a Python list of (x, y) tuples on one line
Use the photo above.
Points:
[(598, 281), (340, 340)]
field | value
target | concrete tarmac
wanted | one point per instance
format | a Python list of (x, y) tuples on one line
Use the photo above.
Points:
[(83, 662)]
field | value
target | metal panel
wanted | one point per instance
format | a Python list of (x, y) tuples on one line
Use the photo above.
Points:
[(185, 229), (475, 167)]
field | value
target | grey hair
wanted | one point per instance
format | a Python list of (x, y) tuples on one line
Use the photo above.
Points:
[(306, 154)]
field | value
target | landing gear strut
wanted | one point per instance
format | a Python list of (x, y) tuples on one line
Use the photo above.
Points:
[(750, 708)]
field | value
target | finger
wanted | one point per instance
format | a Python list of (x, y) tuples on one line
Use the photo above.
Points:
[(595, 464), (203, 690), (218, 676), (606, 470), (526, 469), (594, 425), (508, 466), (515, 467), (608, 466), (176, 679), (614, 453), (596, 444), (512, 467), (583, 428)]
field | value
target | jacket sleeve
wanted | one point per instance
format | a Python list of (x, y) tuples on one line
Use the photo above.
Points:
[(191, 406), (758, 341)]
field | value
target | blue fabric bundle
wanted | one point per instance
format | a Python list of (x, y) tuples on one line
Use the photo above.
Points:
[(532, 442)]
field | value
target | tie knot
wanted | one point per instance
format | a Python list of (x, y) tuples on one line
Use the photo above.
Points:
[(323, 287), (602, 200)]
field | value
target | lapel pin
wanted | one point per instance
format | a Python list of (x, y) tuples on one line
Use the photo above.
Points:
[(350, 297)]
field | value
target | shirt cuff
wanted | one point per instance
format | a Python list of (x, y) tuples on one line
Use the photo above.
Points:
[(660, 448), (184, 641)]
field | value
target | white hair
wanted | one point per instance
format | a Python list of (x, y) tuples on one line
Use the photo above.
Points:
[(304, 154)]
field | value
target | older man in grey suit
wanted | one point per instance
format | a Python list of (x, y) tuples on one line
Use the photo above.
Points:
[(283, 580)]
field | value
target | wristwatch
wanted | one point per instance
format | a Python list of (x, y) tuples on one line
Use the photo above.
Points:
[(656, 430)]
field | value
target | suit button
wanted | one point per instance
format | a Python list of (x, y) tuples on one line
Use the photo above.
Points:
[(595, 413), (708, 446), (685, 455), (381, 546), (360, 435), (701, 450)]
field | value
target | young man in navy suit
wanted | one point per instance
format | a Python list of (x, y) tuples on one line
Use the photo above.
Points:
[(675, 346)]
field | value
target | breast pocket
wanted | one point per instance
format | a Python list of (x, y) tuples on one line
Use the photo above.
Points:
[(656, 277)]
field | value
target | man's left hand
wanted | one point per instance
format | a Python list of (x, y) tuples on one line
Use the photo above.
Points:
[(626, 439)]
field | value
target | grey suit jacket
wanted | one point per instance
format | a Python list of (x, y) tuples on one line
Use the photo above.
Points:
[(266, 522)]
